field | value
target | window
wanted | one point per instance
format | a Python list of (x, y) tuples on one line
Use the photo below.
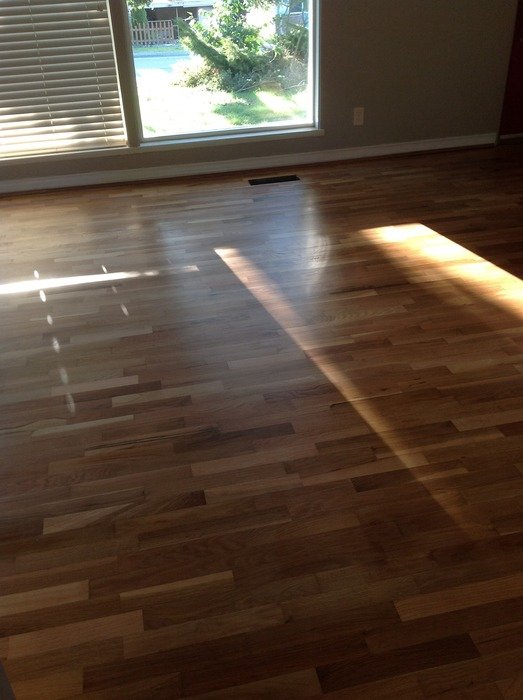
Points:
[(241, 65), (200, 69)]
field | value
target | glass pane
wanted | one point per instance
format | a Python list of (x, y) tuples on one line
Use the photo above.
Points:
[(218, 65)]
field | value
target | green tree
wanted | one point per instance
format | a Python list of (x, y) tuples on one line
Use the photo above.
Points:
[(137, 11), (230, 43), (236, 56)]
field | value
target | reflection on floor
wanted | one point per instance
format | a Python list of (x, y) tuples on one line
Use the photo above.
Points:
[(266, 442)]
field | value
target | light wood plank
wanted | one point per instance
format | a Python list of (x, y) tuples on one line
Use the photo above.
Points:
[(44, 598)]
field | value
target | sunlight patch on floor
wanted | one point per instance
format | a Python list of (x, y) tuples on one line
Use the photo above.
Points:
[(57, 282), (424, 255), (269, 296)]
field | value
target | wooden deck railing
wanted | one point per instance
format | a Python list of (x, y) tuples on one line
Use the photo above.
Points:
[(154, 33)]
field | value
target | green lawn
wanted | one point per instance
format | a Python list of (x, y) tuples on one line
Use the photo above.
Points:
[(263, 107), (181, 110)]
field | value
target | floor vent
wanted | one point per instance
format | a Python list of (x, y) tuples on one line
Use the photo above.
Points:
[(273, 180)]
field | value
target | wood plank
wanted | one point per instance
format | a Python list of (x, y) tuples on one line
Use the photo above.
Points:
[(192, 632), (465, 676), (460, 597), (302, 684), (52, 638), (62, 685), (364, 668), (511, 688), (406, 687), (498, 639), (175, 586), (60, 523), (44, 598)]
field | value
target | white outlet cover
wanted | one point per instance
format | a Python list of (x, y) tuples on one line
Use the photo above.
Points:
[(359, 116)]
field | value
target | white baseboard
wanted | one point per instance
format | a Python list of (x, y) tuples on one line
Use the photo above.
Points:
[(243, 164)]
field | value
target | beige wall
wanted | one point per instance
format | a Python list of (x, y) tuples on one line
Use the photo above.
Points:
[(423, 69)]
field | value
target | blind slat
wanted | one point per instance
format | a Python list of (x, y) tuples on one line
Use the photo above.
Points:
[(58, 81)]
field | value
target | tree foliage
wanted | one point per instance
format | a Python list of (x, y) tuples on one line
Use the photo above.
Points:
[(137, 11), (236, 55)]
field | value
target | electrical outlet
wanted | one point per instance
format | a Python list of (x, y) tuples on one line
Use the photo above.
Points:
[(358, 116)]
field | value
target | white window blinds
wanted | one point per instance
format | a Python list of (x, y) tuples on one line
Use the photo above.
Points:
[(58, 81)]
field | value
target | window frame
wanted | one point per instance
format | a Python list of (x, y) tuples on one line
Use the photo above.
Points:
[(131, 104)]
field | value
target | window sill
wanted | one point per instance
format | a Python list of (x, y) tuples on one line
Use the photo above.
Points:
[(226, 139), (154, 145)]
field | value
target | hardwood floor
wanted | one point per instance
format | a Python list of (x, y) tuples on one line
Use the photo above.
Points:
[(266, 441)]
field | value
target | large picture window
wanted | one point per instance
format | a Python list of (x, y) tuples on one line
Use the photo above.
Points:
[(222, 65), (99, 74)]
